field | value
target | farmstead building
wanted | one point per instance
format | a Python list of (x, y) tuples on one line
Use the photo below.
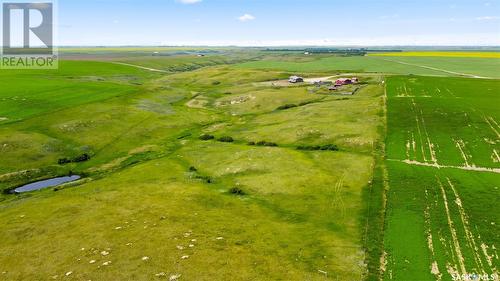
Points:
[(346, 81), (295, 79)]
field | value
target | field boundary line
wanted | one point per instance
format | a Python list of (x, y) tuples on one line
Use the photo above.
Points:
[(470, 168), (385, 182)]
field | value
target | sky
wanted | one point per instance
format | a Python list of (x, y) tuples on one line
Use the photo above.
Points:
[(278, 22)]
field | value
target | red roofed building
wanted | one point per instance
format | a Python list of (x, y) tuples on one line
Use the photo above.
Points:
[(343, 81), (346, 81)]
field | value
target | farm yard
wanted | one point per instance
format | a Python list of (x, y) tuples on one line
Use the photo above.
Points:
[(217, 167)]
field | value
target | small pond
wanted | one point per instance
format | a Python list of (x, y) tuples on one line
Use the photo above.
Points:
[(46, 183)]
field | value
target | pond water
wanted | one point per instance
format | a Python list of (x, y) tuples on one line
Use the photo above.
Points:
[(46, 183)]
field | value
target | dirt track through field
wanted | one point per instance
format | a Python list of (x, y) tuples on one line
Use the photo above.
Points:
[(430, 244), (469, 236), (456, 244), (492, 124), (142, 67), (461, 244)]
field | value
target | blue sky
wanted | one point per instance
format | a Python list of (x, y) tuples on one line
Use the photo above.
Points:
[(279, 22)]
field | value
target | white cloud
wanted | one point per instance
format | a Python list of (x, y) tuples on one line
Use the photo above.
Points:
[(246, 17), (188, 1), (487, 18)]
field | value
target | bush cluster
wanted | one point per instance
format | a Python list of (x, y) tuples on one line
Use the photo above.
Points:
[(206, 179), (330, 147), (263, 143), (286, 106), (81, 158), (266, 143), (305, 103), (206, 137), (237, 191), (226, 139)]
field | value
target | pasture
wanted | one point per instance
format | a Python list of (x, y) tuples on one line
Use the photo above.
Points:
[(156, 201)]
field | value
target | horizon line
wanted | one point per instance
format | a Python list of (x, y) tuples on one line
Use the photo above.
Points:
[(272, 46)]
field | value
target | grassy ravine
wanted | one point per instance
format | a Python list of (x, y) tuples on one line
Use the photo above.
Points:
[(157, 201)]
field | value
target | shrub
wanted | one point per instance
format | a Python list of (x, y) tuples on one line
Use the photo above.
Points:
[(265, 143), (193, 169), (226, 139), (237, 191), (329, 147), (251, 143), (206, 137), (305, 103), (207, 179), (215, 83), (286, 106), (228, 93), (82, 158)]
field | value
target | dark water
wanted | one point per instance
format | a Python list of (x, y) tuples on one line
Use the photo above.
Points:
[(46, 183)]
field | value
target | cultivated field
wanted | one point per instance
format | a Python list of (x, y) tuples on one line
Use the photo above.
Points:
[(443, 167), (407, 65), (458, 54)]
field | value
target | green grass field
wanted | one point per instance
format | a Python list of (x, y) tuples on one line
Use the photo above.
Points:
[(29, 93), (153, 189), (287, 183)]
